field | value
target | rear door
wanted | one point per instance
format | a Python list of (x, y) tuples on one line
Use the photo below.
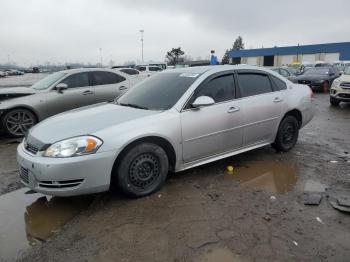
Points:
[(108, 85), (262, 104), (79, 93)]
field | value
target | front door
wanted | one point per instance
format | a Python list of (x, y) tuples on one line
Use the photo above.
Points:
[(213, 129), (79, 93)]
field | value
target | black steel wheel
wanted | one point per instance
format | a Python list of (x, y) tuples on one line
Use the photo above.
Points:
[(17, 122), (287, 134), (142, 170)]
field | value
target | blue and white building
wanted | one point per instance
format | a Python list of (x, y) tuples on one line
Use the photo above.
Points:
[(278, 56)]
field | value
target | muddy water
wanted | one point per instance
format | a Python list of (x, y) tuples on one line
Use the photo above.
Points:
[(272, 176), (26, 219)]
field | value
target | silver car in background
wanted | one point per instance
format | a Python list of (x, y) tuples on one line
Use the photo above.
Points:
[(174, 120), (22, 107)]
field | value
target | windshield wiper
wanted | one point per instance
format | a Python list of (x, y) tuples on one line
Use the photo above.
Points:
[(134, 106)]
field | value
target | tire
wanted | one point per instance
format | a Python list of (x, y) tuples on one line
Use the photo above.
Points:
[(287, 134), (334, 101), (142, 170), (17, 122)]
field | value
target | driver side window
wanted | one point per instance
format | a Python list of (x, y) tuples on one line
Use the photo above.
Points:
[(220, 89), (77, 80)]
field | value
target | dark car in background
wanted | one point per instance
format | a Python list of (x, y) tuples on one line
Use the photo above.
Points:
[(287, 72), (319, 78)]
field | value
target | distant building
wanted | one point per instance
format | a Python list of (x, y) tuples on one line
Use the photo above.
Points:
[(278, 56)]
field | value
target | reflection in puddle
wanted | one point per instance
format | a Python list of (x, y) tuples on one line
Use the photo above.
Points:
[(271, 176), (220, 254), (26, 219)]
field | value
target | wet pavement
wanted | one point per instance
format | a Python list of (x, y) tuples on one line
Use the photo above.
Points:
[(254, 212), (27, 219)]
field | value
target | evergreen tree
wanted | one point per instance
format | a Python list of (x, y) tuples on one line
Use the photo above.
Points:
[(225, 59)]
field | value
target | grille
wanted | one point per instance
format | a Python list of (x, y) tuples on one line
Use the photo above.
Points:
[(344, 95), (345, 85), (32, 149), (23, 174), (61, 184)]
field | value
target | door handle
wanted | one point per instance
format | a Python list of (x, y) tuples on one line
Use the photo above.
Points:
[(122, 88), (233, 109), (88, 92), (277, 100)]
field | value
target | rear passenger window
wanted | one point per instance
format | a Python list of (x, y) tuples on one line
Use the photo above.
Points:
[(106, 78), (279, 84), (251, 84), (220, 89)]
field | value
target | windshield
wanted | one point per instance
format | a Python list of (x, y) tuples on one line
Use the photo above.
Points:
[(48, 81), (159, 92), (317, 71), (347, 70)]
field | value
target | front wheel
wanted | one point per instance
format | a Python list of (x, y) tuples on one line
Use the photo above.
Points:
[(142, 170), (17, 122), (287, 134)]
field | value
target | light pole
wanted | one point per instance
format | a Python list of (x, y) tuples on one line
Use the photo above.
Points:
[(100, 57), (141, 31)]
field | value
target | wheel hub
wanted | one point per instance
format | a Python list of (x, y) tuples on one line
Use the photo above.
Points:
[(144, 171)]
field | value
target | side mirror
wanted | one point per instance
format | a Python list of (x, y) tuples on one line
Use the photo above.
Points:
[(203, 101), (60, 87)]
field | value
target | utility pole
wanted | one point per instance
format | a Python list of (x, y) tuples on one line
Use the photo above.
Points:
[(141, 31), (100, 57)]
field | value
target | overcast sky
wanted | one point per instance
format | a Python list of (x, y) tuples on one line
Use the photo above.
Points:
[(58, 31)]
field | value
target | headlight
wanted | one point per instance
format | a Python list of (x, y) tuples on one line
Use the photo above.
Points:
[(76, 146), (336, 83)]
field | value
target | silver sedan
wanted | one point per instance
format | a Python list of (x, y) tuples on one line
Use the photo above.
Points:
[(173, 121), (21, 107)]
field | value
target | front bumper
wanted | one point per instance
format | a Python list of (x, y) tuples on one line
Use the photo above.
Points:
[(66, 176), (340, 94)]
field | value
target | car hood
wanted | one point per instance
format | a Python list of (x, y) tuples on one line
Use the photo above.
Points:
[(84, 121), (312, 77), (344, 78), (14, 92)]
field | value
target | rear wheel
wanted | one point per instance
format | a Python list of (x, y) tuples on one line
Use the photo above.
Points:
[(142, 170), (17, 122), (287, 134), (334, 101)]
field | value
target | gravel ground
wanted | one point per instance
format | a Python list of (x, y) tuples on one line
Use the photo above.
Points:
[(209, 214)]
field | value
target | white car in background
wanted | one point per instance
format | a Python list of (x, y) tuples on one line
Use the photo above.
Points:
[(134, 75), (148, 69), (2, 74)]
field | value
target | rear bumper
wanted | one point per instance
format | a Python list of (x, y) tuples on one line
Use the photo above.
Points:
[(66, 176)]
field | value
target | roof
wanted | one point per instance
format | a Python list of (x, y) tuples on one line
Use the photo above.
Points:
[(342, 48)]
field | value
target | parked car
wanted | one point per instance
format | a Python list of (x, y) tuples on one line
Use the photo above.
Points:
[(148, 69), (2, 74), (135, 76), (174, 120), (319, 78), (22, 107), (287, 72), (340, 90)]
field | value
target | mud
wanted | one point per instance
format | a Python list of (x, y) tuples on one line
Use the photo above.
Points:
[(257, 213)]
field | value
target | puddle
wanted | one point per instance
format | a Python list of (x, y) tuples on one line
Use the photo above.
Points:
[(272, 176), (26, 219)]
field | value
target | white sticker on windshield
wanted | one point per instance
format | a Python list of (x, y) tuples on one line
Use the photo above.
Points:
[(189, 75)]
